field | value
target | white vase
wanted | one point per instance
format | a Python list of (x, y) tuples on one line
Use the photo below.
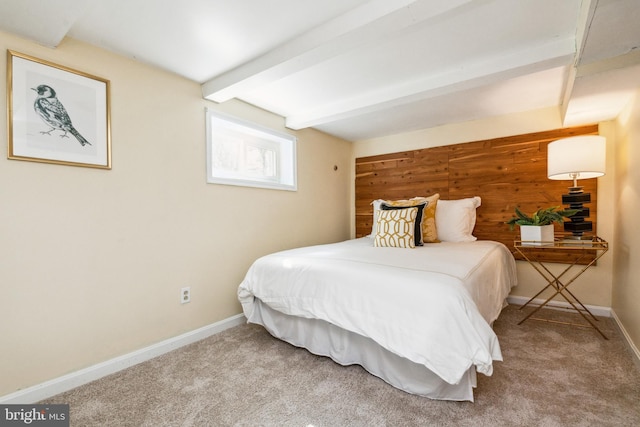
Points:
[(536, 235)]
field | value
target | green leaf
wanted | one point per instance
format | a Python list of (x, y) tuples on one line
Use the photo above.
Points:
[(543, 216)]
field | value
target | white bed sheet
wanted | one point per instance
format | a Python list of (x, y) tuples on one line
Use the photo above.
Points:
[(431, 305), (348, 348)]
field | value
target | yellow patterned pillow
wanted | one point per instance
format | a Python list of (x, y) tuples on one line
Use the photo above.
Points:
[(418, 222), (429, 230), (395, 228)]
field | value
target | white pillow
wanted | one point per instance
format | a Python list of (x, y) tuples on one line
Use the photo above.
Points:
[(455, 219), (376, 207)]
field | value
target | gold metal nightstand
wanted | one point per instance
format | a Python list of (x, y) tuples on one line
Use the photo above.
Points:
[(589, 250)]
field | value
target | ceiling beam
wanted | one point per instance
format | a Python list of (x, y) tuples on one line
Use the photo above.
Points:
[(366, 24), (602, 89), (490, 70), (585, 18)]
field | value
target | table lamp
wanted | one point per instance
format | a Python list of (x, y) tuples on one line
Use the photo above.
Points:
[(578, 157)]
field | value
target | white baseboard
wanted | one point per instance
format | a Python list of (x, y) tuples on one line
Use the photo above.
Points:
[(627, 337), (561, 305), (67, 382)]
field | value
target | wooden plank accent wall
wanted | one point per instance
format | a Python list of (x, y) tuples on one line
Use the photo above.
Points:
[(504, 172)]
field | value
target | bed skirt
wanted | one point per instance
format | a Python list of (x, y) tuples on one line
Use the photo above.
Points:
[(348, 348)]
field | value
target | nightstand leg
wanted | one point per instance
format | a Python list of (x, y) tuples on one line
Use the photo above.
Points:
[(562, 289)]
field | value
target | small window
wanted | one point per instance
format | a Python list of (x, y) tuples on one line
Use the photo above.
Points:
[(243, 153)]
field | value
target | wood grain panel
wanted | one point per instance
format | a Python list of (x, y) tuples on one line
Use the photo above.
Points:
[(505, 172)]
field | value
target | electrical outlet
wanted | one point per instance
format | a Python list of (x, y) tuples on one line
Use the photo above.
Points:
[(185, 295)]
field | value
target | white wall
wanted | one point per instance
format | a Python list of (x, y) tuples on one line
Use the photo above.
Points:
[(594, 287), (457, 133), (626, 276), (92, 261)]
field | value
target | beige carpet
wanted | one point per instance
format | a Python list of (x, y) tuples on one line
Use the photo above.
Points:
[(552, 375)]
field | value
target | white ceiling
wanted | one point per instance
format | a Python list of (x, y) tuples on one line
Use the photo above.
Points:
[(365, 68)]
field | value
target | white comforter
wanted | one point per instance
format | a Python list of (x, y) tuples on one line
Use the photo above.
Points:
[(432, 304)]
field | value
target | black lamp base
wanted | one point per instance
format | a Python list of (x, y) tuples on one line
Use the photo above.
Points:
[(577, 225)]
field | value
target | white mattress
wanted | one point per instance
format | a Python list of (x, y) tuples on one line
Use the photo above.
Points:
[(431, 305)]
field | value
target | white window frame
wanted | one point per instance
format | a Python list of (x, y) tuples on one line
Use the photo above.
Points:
[(246, 154)]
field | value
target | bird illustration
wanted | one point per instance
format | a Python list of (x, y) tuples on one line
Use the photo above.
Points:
[(53, 113)]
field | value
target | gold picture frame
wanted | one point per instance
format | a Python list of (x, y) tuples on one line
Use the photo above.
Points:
[(56, 114)]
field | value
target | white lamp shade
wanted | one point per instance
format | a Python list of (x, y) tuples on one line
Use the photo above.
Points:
[(583, 155)]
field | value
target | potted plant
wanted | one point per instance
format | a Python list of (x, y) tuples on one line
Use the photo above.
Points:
[(537, 228)]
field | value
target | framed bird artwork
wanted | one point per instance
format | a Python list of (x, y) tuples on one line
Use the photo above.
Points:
[(57, 114)]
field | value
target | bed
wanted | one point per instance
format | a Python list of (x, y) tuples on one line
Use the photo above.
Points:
[(418, 318)]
